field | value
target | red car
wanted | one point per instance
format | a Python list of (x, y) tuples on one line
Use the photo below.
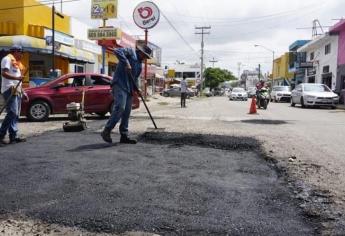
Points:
[(52, 97)]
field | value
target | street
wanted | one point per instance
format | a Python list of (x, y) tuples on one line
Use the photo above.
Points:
[(214, 170)]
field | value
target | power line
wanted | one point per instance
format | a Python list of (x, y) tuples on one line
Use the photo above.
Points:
[(213, 61), (179, 34)]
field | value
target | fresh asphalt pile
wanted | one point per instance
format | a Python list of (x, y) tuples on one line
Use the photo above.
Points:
[(169, 183)]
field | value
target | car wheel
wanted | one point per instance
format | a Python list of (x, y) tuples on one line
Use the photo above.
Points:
[(39, 111), (302, 102), (165, 94), (333, 107), (292, 103)]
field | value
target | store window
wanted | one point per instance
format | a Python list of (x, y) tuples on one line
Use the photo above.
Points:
[(79, 69), (178, 74), (37, 69), (189, 74)]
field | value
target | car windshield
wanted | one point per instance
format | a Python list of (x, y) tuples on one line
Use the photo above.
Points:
[(316, 88), (237, 90), (285, 88)]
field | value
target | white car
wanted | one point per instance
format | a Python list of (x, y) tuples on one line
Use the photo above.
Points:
[(280, 93), (238, 94), (308, 94)]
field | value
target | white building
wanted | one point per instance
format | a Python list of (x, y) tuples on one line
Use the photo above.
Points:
[(192, 72), (250, 78), (322, 52)]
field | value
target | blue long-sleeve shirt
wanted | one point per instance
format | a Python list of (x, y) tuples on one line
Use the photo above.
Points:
[(121, 77)]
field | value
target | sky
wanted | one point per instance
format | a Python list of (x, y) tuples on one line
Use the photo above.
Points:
[(236, 26)]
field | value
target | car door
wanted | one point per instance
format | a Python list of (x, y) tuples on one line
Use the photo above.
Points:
[(70, 92), (98, 97), (177, 92)]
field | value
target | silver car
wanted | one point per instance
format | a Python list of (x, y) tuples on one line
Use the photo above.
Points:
[(281, 93), (308, 94), (238, 94)]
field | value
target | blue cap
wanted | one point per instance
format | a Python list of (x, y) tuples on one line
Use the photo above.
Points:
[(16, 48)]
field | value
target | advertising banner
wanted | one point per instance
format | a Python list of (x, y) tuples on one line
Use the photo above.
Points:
[(103, 9)]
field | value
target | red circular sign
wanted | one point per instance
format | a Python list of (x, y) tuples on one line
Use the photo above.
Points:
[(146, 15)]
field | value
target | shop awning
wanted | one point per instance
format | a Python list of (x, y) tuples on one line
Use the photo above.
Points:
[(158, 76), (36, 45), (28, 43), (76, 54)]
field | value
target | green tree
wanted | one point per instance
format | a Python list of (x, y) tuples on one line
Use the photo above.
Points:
[(215, 76)]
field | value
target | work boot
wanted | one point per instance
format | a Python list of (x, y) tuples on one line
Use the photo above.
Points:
[(18, 140), (126, 139), (106, 135), (3, 142)]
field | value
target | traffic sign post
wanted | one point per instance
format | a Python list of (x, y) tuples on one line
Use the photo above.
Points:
[(146, 16)]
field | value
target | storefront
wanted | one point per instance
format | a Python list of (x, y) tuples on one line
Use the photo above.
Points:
[(38, 56)]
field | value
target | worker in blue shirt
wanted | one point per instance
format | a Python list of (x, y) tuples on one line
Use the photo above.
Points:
[(130, 65)]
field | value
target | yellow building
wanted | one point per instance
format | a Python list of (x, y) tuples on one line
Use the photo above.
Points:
[(29, 24), (281, 74)]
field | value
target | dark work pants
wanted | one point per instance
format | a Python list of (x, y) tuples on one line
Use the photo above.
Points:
[(183, 99)]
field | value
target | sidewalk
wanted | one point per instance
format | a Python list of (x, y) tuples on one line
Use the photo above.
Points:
[(341, 106)]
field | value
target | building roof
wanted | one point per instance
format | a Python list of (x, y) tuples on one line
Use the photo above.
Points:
[(340, 26), (314, 44), (297, 44)]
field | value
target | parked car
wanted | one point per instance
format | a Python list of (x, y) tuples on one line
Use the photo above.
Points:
[(280, 93), (238, 94), (308, 94), (176, 92), (251, 91), (52, 97), (207, 92), (218, 92)]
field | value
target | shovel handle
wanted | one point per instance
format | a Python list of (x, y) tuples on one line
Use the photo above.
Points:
[(142, 98)]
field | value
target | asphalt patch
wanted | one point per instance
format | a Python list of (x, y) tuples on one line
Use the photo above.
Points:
[(265, 122), (169, 183), (201, 140)]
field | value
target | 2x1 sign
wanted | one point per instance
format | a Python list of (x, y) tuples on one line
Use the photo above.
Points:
[(103, 9), (146, 15), (103, 33)]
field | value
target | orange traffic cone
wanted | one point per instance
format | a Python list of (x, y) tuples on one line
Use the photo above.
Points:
[(252, 109)]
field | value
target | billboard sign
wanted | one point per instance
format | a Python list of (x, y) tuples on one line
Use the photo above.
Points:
[(103, 33), (146, 15), (305, 65), (103, 9)]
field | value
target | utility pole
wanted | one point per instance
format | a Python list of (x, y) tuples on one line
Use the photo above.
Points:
[(239, 69), (213, 61), (203, 32), (259, 72)]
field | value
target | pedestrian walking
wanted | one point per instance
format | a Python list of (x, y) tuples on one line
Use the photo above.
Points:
[(128, 68), (183, 91), (12, 71)]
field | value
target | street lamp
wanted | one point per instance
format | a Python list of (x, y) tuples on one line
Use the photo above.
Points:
[(270, 50)]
